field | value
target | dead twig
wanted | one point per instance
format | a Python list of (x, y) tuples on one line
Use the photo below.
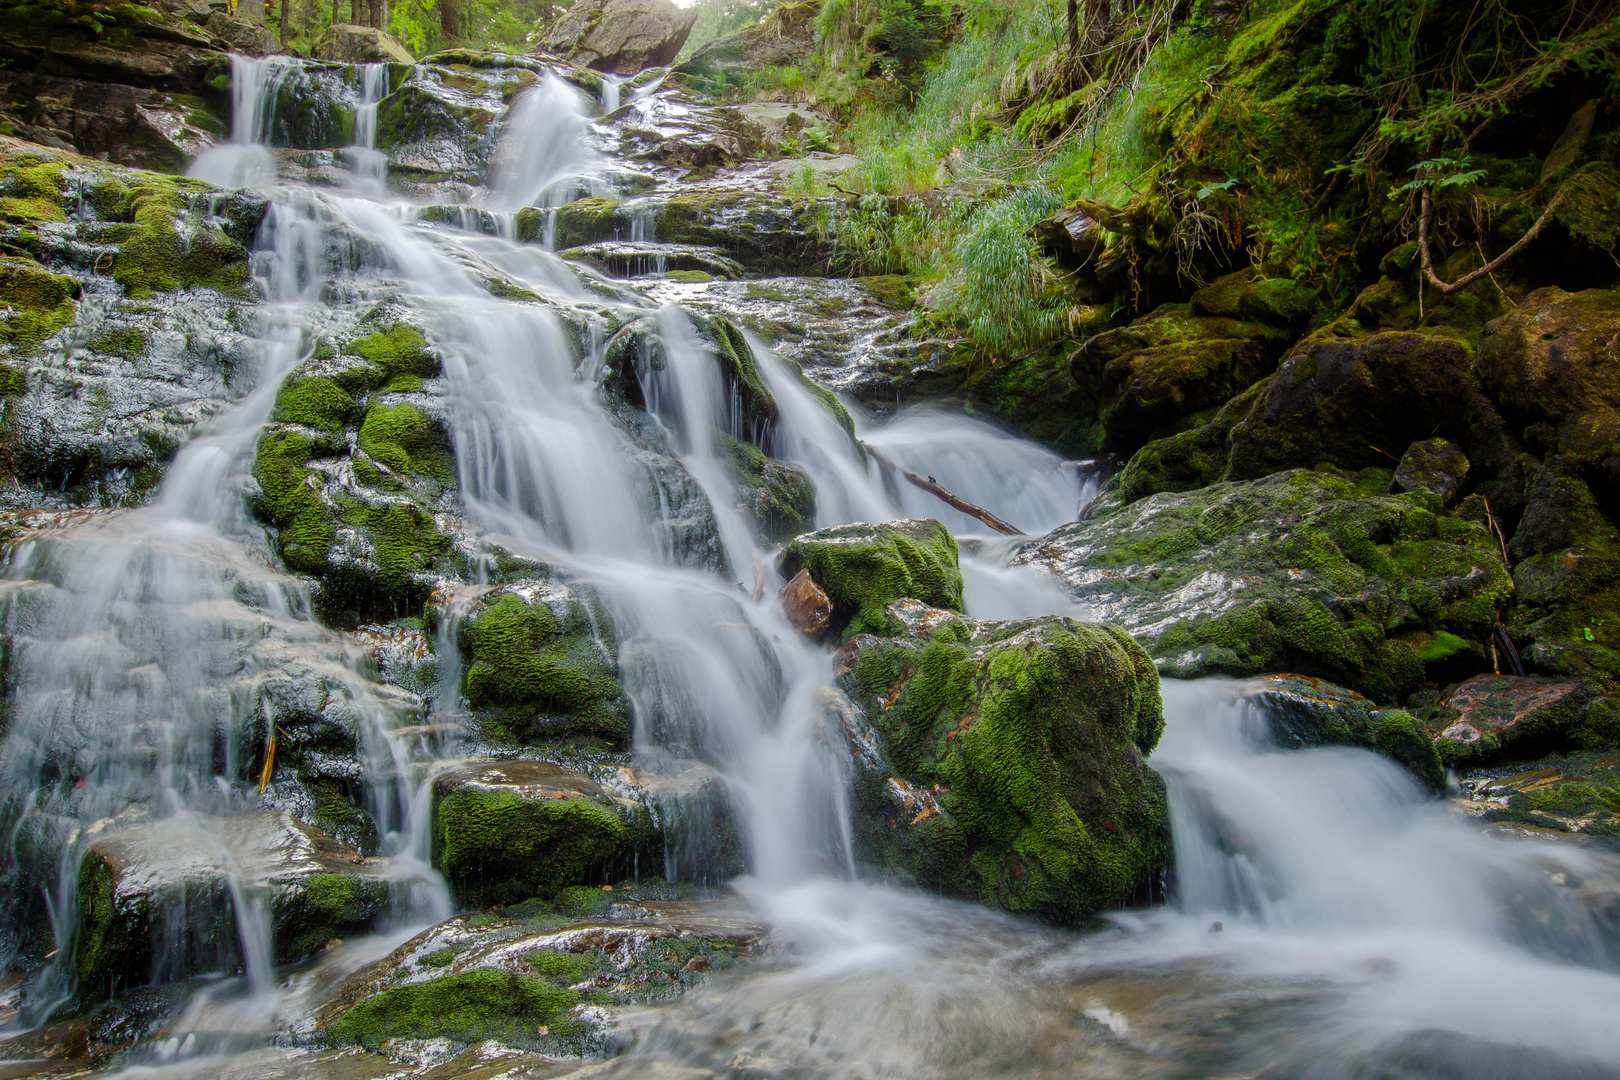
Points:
[(934, 488), (1472, 276)]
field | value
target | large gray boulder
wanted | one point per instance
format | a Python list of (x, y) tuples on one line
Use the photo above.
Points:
[(345, 43), (622, 37)]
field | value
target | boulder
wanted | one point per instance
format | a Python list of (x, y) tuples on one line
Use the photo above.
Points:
[(1304, 712), (805, 604), (784, 38), (506, 831), (776, 125), (1554, 364), (1314, 572), (1571, 795), (539, 662), (157, 902), (345, 43), (533, 978), (1436, 467), (1355, 402), (621, 37), (1566, 569), (776, 496), (1492, 716), (1008, 764), (864, 568)]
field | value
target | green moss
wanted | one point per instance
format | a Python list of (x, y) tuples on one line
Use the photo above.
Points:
[(121, 341), (779, 498), (160, 256), (287, 501), (397, 350), (324, 907), (313, 402), (864, 568), (13, 381), (690, 277), (540, 674), (496, 846), (736, 359), (465, 1008), (33, 191), (406, 441), (1028, 737), (41, 302), (406, 540), (582, 221)]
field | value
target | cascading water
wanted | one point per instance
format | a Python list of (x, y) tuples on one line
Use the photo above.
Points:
[(370, 165), (1347, 925), (246, 161)]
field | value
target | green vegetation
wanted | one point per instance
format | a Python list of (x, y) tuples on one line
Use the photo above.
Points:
[(483, 1004), (864, 568), (1019, 744)]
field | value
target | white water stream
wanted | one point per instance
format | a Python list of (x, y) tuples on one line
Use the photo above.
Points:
[(1361, 931)]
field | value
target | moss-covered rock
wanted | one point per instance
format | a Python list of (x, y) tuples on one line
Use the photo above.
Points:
[(1316, 572), (1491, 717), (1554, 364), (778, 498), (1358, 402), (1304, 712), (1011, 754), (507, 831), (864, 568), (539, 663), (40, 302), (1566, 552), (1576, 795), (156, 901)]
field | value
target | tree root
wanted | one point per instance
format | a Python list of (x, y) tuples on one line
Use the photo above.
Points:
[(1474, 275)]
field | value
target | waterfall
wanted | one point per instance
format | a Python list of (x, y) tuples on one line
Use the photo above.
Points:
[(246, 161), (370, 166)]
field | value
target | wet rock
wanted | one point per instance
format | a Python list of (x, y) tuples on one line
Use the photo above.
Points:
[(1302, 712), (540, 661), (506, 831), (864, 568), (638, 259), (1569, 796), (1493, 715), (540, 977), (127, 125), (158, 902), (438, 124), (1566, 607), (1170, 364), (345, 43), (1072, 236), (806, 604), (1009, 758), (242, 35), (1436, 467), (765, 233), (1314, 572), (778, 498), (1554, 364), (1355, 402), (778, 125), (621, 37)]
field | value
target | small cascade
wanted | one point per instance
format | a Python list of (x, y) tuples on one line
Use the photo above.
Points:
[(610, 94), (542, 160), (246, 161), (369, 165)]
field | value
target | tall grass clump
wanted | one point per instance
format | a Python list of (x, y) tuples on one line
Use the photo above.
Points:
[(1005, 291)]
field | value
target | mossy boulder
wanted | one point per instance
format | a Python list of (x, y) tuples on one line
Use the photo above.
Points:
[(155, 901), (1492, 717), (351, 469), (540, 662), (506, 831), (40, 302), (1569, 795), (864, 568), (1566, 569), (1011, 764), (1304, 712), (778, 497), (1322, 573), (1554, 365), (1171, 364), (1356, 402), (167, 249)]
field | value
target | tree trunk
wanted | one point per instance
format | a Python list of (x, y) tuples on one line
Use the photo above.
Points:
[(334, 12), (286, 20), (450, 20), (1074, 25)]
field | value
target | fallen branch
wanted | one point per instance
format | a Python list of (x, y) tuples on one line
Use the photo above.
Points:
[(930, 485), (1474, 275)]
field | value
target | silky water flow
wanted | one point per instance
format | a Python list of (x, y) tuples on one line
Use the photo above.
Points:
[(1329, 919)]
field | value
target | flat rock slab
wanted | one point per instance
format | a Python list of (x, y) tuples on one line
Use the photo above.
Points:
[(1489, 712)]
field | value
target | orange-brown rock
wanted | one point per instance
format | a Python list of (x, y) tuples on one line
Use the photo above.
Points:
[(807, 607)]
